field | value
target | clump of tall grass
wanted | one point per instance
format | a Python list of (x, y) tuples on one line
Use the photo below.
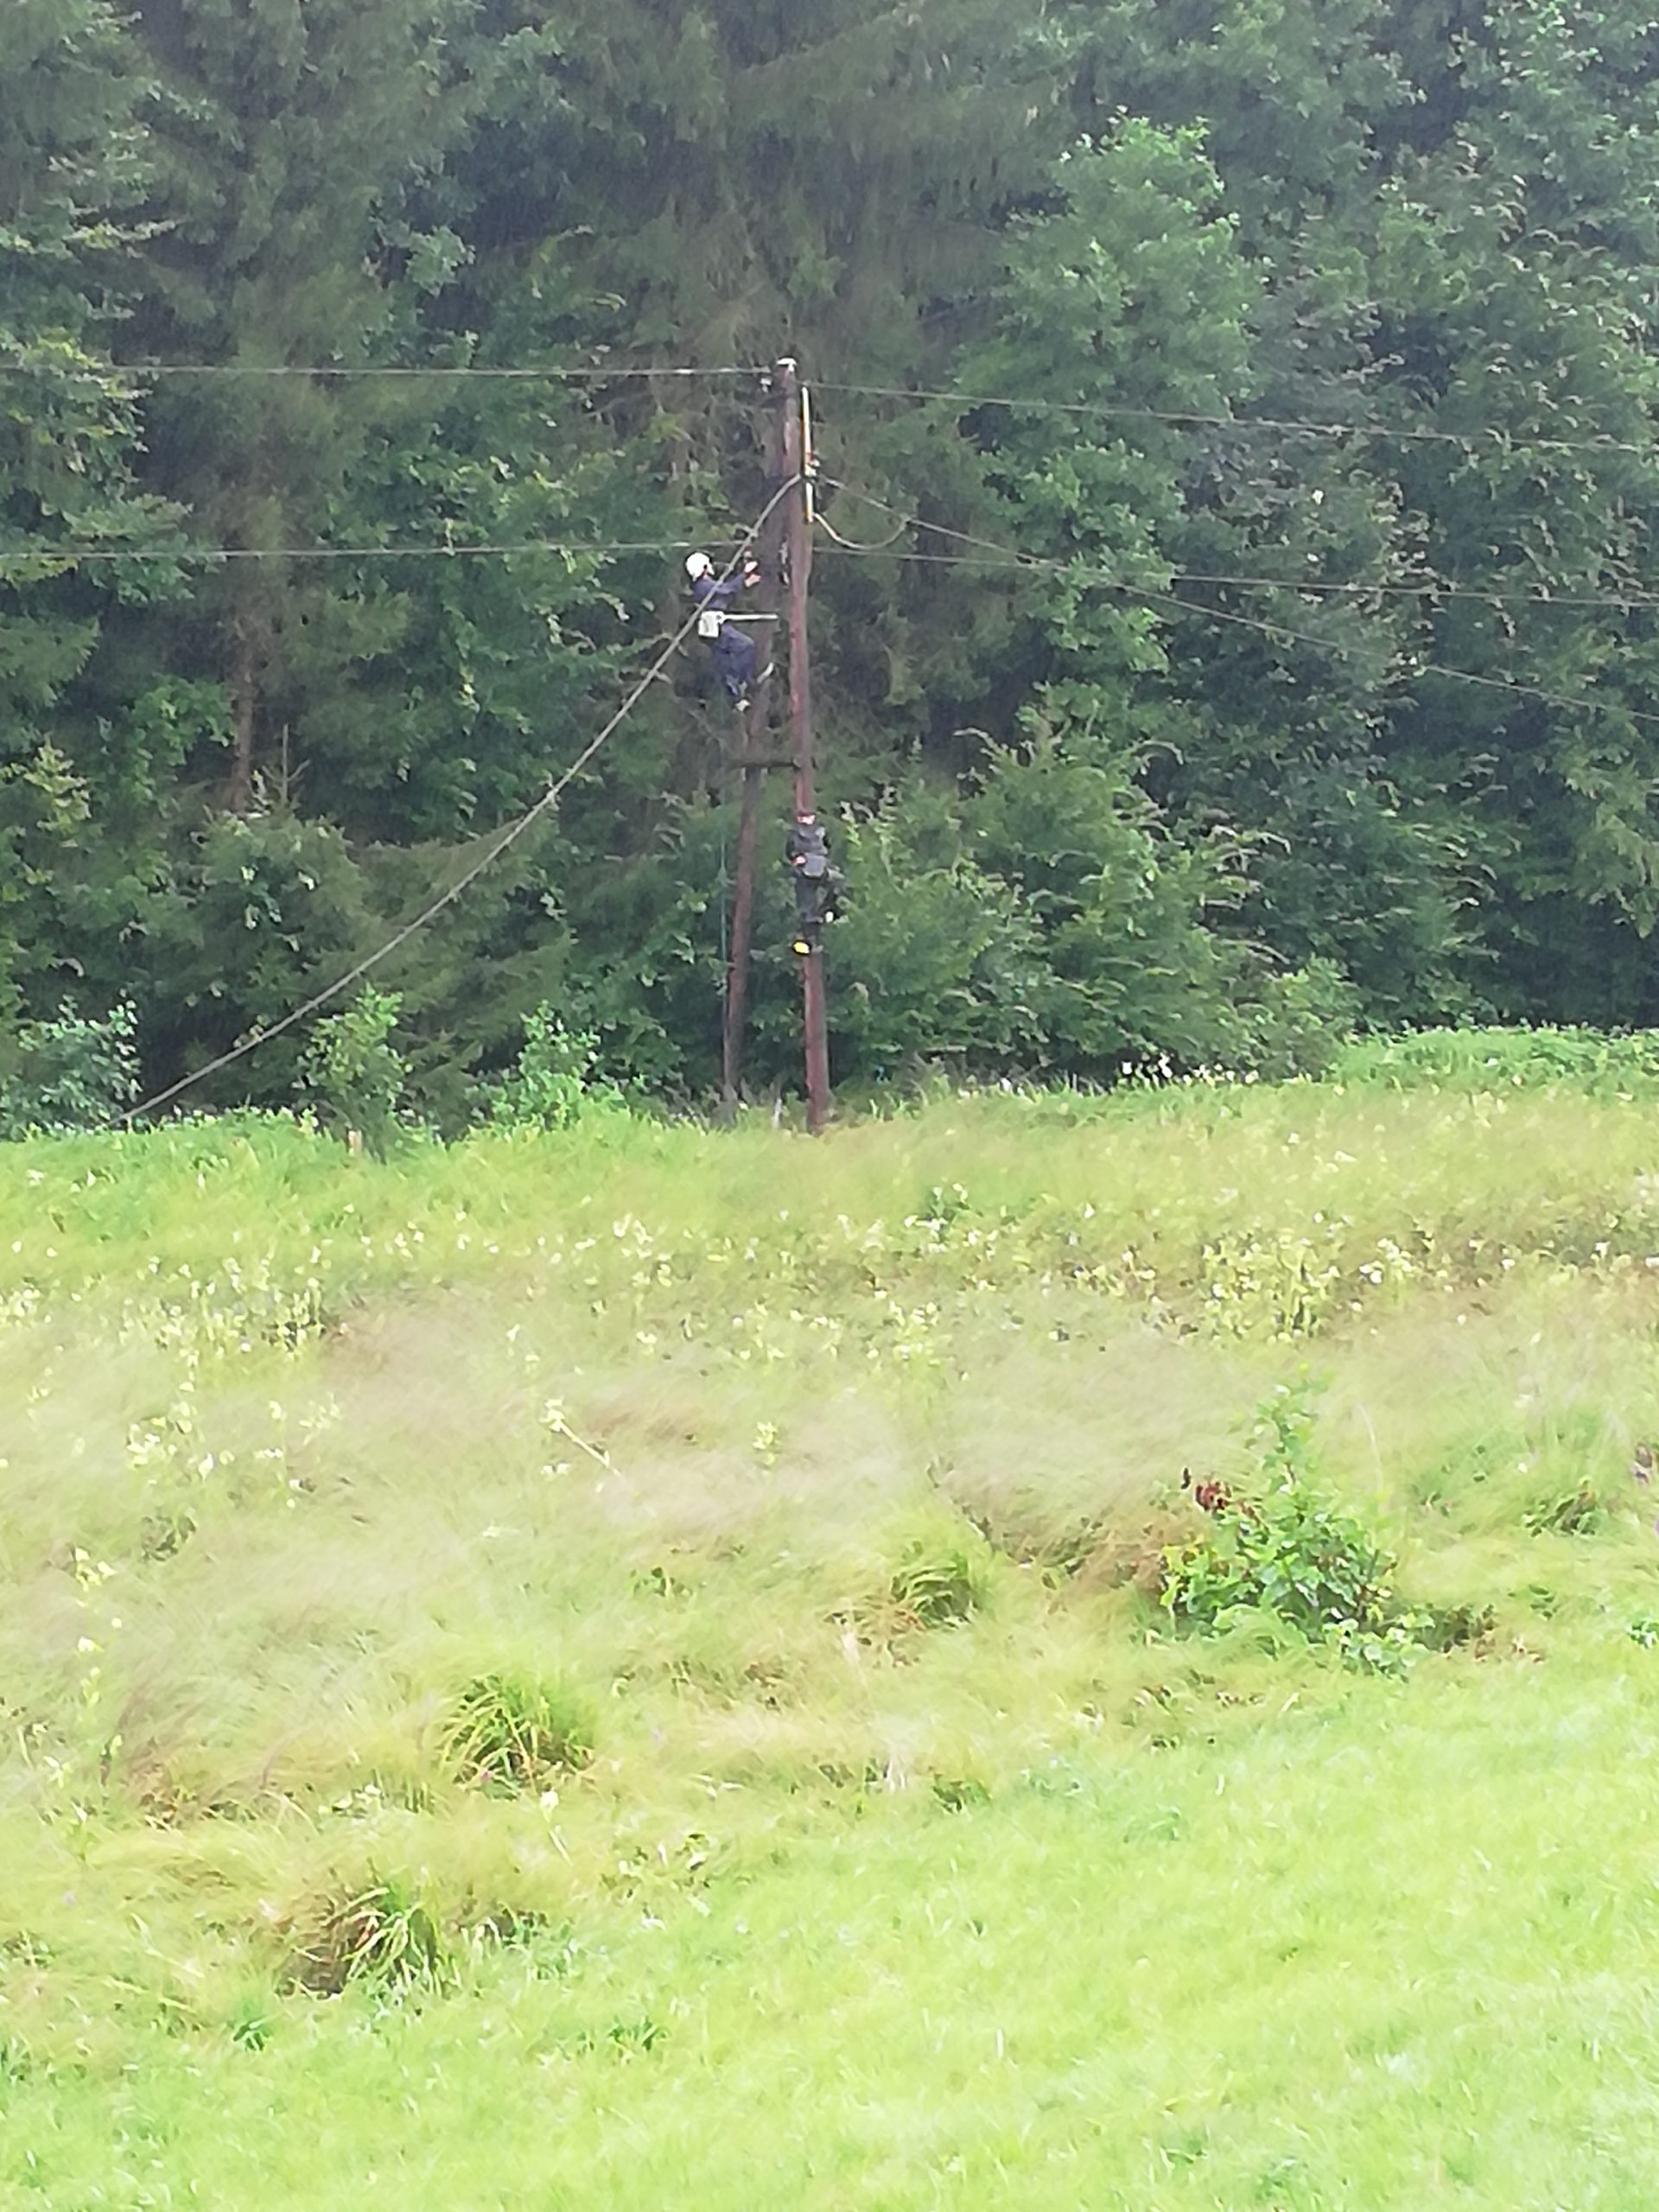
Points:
[(385, 1934), (937, 1584), (513, 1733), (938, 1589)]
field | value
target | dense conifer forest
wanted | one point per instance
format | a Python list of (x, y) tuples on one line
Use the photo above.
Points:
[(1238, 420)]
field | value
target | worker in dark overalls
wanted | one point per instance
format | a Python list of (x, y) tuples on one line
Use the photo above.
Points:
[(736, 656), (818, 883)]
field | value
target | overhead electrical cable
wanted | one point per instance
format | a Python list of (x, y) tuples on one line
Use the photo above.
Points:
[(551, 374), (58, 557), (1430, 583), (1417, 666), (1491, 434), (1427, 584), (849, 545)]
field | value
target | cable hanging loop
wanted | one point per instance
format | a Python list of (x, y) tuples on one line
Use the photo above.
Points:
[(851, 546)]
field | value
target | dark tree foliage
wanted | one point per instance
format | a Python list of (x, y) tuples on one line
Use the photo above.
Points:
[(68, 452), (1275, 388)]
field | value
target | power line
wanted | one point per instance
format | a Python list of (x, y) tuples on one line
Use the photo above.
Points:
[(1490, 434), (1417, 667), (1431, 585), (77, 556), (546, 374), (497, 847), (1270, 629)]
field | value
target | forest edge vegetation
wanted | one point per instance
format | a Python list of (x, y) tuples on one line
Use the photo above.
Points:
[(1238, 433)]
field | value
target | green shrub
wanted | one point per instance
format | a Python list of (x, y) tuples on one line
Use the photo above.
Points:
[(1298, 1022), (554, 1083), (1585, 1060), (1275, 1546), (513, 1734), (1287, 1554), (71, 1073), (352, 1074)]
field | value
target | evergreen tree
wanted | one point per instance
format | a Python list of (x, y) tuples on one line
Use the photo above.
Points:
[(281, 131), (69, 173), (295, 224), (1516, 233)]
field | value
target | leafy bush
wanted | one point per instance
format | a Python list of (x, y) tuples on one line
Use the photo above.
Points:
[(1286, 1553), (71, 1073), (1299, 1022), (935, 955), (1279, 1549), (353, 1075), (554, 1083), (514, 1734)]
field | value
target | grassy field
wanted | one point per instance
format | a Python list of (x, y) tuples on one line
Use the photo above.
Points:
[(626, 1669)]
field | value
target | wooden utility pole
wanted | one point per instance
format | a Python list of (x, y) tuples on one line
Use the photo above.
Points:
[(785, 545), (755, 759), (798, 465)]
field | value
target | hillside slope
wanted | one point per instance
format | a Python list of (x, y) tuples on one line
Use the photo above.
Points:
[(626, 1669)]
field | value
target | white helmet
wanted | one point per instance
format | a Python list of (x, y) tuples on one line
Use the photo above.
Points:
[(698, 565)]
